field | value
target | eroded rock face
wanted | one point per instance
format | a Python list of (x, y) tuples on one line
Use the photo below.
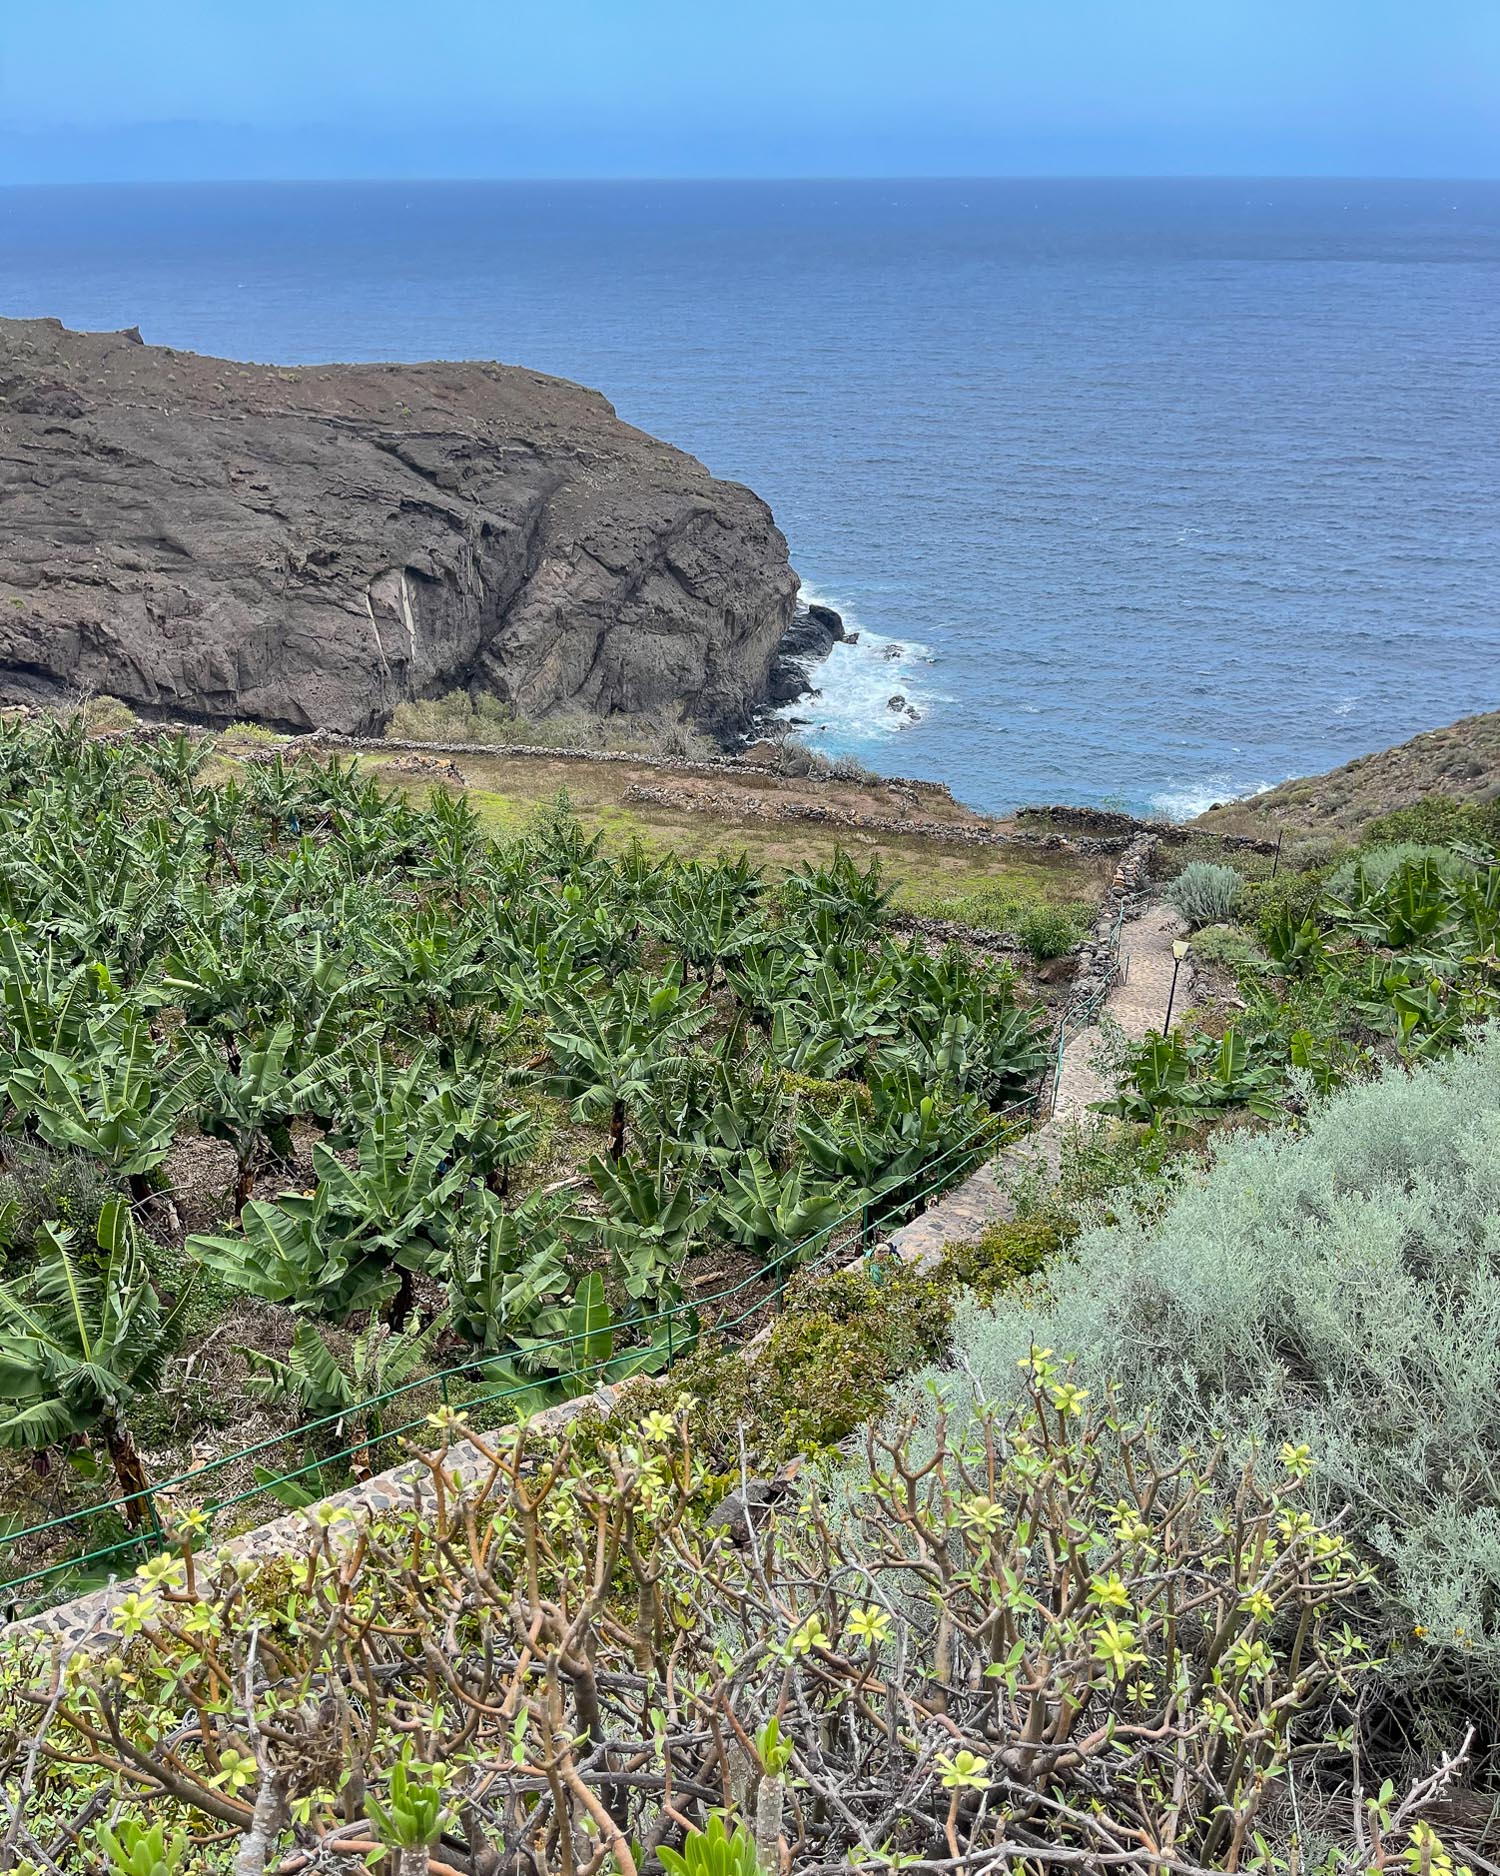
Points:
[(311, 547)]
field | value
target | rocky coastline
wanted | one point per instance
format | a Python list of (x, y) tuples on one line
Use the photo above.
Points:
[(308, 548)]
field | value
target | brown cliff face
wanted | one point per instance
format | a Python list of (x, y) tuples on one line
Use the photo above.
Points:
[(312, 547)]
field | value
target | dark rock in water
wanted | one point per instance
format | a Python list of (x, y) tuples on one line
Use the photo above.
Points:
[(890, 653), (898, 702), (851, 638), (812, 634), (311, 547), (788, 681)]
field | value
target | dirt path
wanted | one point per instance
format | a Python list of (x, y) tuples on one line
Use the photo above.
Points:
[(1138, 1004)]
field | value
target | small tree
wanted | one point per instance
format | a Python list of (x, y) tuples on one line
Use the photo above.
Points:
[(79, 1340)]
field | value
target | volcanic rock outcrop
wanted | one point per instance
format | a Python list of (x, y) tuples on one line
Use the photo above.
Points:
[(312, 546)]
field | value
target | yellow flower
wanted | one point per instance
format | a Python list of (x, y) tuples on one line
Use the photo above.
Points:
[(810, 1635), (1114, 1645), (1110, 1593), (871, 1624), (963, 1771), (133, 1612)]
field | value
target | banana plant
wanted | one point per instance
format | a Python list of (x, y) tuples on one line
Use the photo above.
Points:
[(852, 902), (507, 1275), (490, 1136), (51, 1006), (652, 1223), (1290, 941), (607, 1050), (430, 964), (771, 1213), (324, 1383), (116, 1100), (764, 978), (706, 1111), (251, 1105), (355, 1241), (885, 1151), (80, 1340), (587, 1354), (708, 924), (799, 1046)]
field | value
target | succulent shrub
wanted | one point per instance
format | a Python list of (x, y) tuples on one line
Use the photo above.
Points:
[(1048, 1597)]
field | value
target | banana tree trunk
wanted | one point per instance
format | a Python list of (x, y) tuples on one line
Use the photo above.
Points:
[(404, 1301), (158, 1198), (244, 1187), (129, 1470), (617, 1131)]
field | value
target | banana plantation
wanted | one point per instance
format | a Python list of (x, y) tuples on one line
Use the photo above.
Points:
[(311, 1092)]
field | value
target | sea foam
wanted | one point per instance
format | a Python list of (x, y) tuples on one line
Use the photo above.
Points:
[(857, 682)]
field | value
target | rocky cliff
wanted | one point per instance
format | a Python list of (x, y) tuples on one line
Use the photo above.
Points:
[(313, 546)]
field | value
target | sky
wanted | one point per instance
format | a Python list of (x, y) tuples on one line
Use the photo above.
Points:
[(169, 90)]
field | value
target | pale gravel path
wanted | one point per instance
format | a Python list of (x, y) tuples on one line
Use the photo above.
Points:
[(1137, 1003)]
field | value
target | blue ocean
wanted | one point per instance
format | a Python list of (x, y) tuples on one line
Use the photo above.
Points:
[(1144, 492)]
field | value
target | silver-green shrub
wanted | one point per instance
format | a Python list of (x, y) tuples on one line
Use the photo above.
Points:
[(1338, 1289), (1205, 893)]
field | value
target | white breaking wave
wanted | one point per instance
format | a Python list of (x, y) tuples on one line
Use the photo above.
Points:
[(1185, 803), (857, 683)]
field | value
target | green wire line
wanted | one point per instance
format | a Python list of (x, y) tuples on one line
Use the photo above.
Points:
[(972, 1145)]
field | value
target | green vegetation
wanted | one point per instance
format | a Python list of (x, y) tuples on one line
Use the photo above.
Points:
[(498, 1096), (1389, 955), (1205, 894), (1149, 1507), (599, 1658), (460, 717), (1337, 1291)]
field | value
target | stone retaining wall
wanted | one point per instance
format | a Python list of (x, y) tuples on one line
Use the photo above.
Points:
[(1097, 953), (749, 807), (1173, 833), (86, 1618), (672, 765)]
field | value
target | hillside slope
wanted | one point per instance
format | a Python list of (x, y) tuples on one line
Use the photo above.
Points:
[(1461, 761), (312, 547)]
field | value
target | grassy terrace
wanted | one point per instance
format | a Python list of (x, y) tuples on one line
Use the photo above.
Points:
[(988, 887)]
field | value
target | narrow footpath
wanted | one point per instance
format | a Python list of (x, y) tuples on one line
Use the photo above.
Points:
[(1137, 1002)]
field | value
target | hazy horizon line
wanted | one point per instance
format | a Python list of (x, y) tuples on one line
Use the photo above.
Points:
[(551, 181)]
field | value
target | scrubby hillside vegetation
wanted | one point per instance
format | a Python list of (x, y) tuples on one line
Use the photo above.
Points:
[(1460, 763), (1318, 974), (1181, 1558)]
